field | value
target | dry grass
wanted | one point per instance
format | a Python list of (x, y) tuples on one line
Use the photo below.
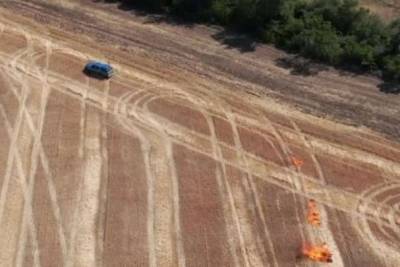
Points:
[(387, 9)]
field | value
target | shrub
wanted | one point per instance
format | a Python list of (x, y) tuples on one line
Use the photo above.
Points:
[(392, 67)]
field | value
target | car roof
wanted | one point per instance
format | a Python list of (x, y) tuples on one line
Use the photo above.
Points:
[(99, 64)]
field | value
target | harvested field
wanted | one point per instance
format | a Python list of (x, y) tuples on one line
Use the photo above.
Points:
[(184, 158)]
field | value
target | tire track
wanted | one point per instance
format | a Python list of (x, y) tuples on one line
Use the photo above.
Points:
[(83, 119), (146, 149), (300, 186), (317, 168), (249, 247), (21, 173), (43, 160), (252, 185), (173, 134), (31, 7), (176, 208), (275, 149), (179, 247), (229, 209), (164, 171), (390, 254), (170, 164), (102, 217), (37, 135), (232, 120), (202, 152), (6, 253), (83, 244), (203, 104), (221, 171), (383, 211), (143, 122), (323, 230)]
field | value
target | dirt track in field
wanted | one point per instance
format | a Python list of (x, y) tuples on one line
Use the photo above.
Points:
[(185, 157)]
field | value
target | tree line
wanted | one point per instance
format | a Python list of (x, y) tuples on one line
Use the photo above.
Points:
[(337, 32)]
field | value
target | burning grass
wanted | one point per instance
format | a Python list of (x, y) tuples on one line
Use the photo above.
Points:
[(313, 217), (297, 162), (317, 253)]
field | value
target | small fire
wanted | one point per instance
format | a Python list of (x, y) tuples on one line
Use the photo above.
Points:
[(297, 162), (317, 253), (313, 217)]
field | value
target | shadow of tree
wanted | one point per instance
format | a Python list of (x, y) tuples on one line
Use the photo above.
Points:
[(162, 18), (300, 66), (389, 87), (151, 16), (233, 40)]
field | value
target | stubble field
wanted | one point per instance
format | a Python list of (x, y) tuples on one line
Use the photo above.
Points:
[(162, 168)]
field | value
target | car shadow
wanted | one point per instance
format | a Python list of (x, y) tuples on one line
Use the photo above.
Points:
[(94, 75)]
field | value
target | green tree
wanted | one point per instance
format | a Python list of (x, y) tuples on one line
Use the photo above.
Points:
[(244, 14), (394, 28), (392, 67), (318, 40), (357, 53), (191, 9), (222, 11)]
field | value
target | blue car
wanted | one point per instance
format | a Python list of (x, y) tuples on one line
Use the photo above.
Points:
[(99, 69)]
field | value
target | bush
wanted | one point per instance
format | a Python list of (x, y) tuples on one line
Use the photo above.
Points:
[(356, 53), (222, 10), (392, 67), (394, 30), (317, 40), (191, 9)]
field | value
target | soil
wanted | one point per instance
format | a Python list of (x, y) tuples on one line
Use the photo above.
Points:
[(186, 156)]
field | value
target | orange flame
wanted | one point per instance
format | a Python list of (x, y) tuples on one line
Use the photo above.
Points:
[(317, 253), (297, 162), (313, 217)]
